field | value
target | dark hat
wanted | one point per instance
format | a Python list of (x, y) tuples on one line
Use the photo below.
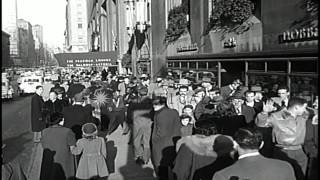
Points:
[(205, 123), (199, 89), (89, 129), (55, 118), (222, 145), (78, 97), (184, 116)]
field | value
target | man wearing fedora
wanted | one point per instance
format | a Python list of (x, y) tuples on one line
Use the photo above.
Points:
[(240, 108)]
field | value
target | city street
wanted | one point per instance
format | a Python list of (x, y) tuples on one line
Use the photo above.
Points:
[(17, 135), (16, 131)]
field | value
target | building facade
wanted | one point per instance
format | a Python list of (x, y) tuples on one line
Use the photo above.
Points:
[(270, 46), (76, 39), (6, 61), (9, 25), (26, 44), (37, 31)]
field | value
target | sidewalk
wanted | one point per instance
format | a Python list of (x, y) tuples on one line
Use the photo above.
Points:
[(120, 160)]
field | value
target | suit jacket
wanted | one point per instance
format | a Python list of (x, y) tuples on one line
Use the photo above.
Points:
[(257, 106), (166, 131), (37, 121), (248, 112), (257, 168), (75, 116)]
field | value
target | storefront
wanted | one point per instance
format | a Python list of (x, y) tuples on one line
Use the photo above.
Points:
[(297, 68)]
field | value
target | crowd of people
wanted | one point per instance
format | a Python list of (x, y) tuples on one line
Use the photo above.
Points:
[(187, 130)]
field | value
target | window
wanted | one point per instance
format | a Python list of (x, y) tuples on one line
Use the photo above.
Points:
[(79, 26), (80, 38)]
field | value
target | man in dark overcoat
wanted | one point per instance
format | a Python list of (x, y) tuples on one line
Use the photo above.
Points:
[(77, 115), (37, 121), (166, 132), (75, 88)]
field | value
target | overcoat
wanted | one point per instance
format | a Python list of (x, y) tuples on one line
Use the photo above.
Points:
[(75, 116), (37, 121), (257, 168), (57, 160), (166, 131)]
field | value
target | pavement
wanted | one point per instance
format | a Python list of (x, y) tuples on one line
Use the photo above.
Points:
[(120, 160)]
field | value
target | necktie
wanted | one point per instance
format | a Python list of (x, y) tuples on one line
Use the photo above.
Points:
[(283, 104)]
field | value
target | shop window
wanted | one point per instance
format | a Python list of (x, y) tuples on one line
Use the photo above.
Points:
[(176, 64), (202, 65), (184, 64), (304, 86), (192, 65), (212, 65), (170, 64), (255, 66), (304, 66), (277, 66)]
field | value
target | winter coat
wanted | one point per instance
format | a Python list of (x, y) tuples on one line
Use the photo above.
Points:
[(37, 121), (196, 158), (166, 131), (93, 159)]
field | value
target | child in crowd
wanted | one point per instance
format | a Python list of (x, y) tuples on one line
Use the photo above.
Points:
[(186, 125), (92, 164), (188, 110)]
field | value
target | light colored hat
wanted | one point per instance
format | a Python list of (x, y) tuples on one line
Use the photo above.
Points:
[(89, 129), (184, 82)]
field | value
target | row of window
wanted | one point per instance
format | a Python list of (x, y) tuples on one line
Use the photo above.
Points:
[(278, 66)]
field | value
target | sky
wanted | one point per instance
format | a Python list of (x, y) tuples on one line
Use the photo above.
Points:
[(48, 13)]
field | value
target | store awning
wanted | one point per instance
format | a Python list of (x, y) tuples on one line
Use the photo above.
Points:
[(87, 59)]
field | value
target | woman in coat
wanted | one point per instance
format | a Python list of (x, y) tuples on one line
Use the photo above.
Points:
[(57, 160)]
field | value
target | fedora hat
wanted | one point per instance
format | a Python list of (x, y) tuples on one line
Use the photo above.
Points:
[(89, 129)]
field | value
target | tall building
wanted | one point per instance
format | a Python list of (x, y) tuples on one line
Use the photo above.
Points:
[(26, 44), (9, 25), (5, 61), (37, 31), (76, 36)]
